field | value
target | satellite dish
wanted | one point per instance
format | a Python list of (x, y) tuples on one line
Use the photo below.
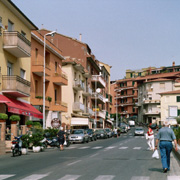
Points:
[(98, 90)]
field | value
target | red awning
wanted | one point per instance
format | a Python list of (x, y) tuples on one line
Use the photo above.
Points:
[(18, 107)]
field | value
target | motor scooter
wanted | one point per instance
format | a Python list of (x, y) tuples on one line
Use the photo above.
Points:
[(16, 146)]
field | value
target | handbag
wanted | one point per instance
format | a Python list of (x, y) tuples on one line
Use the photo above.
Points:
[(146, 136), (65, 143), (155, 154)]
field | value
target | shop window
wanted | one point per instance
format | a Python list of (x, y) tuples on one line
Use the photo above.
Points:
[(177, 98)]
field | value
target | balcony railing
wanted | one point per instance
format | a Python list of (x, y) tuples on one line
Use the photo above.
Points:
[(16, 44), (38, 68), (87, 91), (100, 98), (78, 85), (88, 111), (59, 106), (100, 83), (15, 86), (60, 79), (78, 107)]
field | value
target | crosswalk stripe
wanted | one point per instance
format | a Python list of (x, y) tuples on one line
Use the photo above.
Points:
[(110, 147), (137, 148), (173, 177), (71, 147), (85, 147), (123, 147), (70, 177), (97, 147), (73, 163), (140, 178), (5, 176), (35, 176), (107, 177)]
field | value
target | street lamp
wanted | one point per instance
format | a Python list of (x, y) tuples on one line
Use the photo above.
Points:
[(116, 112), (44, 81)]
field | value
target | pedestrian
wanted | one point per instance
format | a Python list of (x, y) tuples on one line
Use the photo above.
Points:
[(166, 136), (150, 139), (115, 132), (61, 137)]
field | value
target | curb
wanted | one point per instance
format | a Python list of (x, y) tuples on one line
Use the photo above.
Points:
[(177, 153)]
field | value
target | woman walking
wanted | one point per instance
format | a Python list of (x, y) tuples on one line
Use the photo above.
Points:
[(61, 137), (166, 136), (150, 140)]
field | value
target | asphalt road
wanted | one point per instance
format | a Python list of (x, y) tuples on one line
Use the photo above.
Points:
[(123, 158)]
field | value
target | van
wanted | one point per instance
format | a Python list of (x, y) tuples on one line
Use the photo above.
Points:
[(132, 123)]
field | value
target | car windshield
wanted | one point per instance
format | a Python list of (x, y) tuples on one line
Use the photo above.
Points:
[(139, 129), (100, 131), (78, 131), (89, 130), (107, 130)]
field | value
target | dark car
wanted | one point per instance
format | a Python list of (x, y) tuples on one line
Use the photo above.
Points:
[(153, 126), (109, 132), (123, 129), (92, 134), (101, 134)]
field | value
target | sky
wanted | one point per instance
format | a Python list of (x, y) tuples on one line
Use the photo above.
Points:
[(125, 34)]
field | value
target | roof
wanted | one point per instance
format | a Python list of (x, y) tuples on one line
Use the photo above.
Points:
[(170, 92), (160, 79)]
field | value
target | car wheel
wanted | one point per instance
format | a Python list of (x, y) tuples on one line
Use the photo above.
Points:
[(83, 141), (87, 140)]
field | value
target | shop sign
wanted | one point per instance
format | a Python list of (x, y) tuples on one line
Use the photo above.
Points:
[(55, 123)]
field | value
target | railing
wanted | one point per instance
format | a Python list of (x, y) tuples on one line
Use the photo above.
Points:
[(77, 106), (56, 103), (15, 83), (40, 63), (88, 110), (78, 84), (98, 96), (98, 78), (63, 75)]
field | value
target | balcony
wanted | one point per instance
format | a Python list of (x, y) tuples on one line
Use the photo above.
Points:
[(122, 104), (88, 111), (60, 79), (87, 92), (98, 81), (100, 114), (59, 106), (78, 85), (78, 107), (99, 97), (15, 86), (38, 101), (38, 68), (123, 96), (150, 112), (123, 88), (151, 102), (16, 44)]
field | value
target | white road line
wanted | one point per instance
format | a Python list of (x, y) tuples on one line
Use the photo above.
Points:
[(73, 163), (97, 147), (173, 177), (94, 155), (123, 147), (71, 147), (70, 177), (85, 147), (107, 177), (137, 148), (5, 176), (35, 176), (110, 147), (121, 144), (140, 178)]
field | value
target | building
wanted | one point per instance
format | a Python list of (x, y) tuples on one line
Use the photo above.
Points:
[(55, 78)]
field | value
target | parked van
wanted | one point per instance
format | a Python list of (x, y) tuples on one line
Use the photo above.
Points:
[(132, 123)]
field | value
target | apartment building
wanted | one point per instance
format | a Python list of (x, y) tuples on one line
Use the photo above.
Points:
[(55, 78), (15, 55)]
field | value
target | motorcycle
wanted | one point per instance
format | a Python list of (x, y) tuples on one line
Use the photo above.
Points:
[(16, 146), (53, 142)]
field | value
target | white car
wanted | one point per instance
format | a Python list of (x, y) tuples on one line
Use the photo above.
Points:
[(139, 131)]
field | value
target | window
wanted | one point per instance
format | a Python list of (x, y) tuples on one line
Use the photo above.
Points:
[(9, 69), (36, 54), (0, 25), (55, 95), (23, 33), (22, 73), (178, 98), (36, 87), (10, 26), (56, 66), (178, 112)]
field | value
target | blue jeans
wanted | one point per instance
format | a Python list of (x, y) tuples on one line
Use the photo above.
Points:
[(165, 150)]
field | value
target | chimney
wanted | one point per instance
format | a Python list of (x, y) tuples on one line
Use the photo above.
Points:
[(80, 37), (173, 64)]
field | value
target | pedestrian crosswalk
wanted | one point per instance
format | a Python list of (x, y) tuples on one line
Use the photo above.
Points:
[(78, 176)]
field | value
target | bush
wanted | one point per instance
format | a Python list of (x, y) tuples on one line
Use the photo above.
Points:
[(3, 116), (14, 118), (36, 138), (51, 132), (177, 133), (25, 141), (29, 122)]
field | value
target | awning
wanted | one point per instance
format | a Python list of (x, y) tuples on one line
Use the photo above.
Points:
[(79, 121), (18, 107), (109, 121)]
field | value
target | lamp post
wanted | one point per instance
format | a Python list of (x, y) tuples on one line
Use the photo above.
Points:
[(44, 81), (116, 112)]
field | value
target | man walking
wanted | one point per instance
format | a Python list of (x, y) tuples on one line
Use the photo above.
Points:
[(166, 136)]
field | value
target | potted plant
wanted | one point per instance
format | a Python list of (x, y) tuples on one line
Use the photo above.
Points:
[(36, 141), (29, 123), (3, 117), (25, 143), (14, 119)]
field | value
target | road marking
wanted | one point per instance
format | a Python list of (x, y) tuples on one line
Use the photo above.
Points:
[(5, 176), (173, 177), (85, 147), (73, 163), (70, 177), (97, 147), (140, 178), (137, 148), (107, 177), (121, 144), (123, 147), (71, 147), (110, 147), (35, 176), (94, 155)]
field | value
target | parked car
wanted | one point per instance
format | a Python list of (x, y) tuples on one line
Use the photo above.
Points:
[(109, 132), (126, 126), (92, 134), (123, 129), (101, 134), (139, 131), (79, 135)]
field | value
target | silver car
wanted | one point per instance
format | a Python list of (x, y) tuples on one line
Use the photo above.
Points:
[(79, 135), (139, 131)]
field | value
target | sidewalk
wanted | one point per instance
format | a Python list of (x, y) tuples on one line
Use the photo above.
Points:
[(177, 154)]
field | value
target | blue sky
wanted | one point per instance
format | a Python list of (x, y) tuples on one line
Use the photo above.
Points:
[(126, 34)]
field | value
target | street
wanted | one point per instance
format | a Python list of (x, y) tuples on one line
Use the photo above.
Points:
[(123, 158)]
